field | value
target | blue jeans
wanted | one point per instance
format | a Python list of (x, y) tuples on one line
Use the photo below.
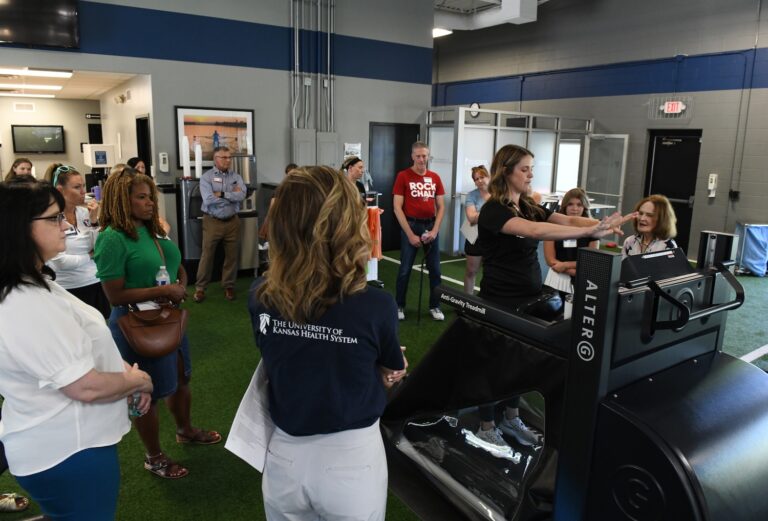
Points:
[(408, 256)]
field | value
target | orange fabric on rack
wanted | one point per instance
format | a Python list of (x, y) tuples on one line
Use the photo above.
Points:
[(374, 228)]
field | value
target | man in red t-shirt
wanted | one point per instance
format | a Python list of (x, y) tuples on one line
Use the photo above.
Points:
[(419, 207)]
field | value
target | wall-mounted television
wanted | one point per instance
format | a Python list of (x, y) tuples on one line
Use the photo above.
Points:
[(51, 23), (38, 139)]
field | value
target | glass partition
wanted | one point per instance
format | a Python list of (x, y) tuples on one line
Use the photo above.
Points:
[(542, 144)]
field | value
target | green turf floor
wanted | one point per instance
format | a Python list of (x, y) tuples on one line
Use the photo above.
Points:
[(220, 486)]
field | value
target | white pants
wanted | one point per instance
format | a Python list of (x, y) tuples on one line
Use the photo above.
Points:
[(340, 476)]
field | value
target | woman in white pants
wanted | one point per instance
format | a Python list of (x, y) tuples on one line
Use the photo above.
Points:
[(329, 346)]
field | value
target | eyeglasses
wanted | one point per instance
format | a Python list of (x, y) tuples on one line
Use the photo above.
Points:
[(223, 157), (57, 219), (63, 169)]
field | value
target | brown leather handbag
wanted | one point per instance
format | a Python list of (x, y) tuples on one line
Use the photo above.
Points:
[(154, 332)]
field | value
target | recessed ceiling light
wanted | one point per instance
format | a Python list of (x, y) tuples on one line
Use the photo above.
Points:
[(38, 73), (29, 87), (437, 32), (14, 95)]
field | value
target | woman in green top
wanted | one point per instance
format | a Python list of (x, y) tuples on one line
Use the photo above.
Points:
[(127, 255)]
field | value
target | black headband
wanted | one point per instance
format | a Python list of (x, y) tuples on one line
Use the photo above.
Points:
[(352, 161)]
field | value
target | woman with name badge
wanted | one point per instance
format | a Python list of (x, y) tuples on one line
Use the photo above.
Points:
[(561, 255), (74, 267)]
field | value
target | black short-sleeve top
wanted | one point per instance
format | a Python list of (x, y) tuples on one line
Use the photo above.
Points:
[(510, 262)]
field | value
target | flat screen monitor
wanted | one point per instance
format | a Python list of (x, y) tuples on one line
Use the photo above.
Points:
[(38, 139), (51, 23)]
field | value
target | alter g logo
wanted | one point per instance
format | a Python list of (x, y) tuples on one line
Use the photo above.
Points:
[(584, 349)]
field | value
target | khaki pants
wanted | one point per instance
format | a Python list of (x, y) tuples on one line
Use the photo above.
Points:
[(215, 231)]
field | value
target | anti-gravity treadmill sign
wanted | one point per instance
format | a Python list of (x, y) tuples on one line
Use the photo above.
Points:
[(594, 298)]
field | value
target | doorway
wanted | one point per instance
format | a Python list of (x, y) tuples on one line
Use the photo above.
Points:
[(389, 152), (144, 142), (672, 167)]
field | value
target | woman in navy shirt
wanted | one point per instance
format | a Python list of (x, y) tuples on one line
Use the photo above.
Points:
[(329, 346)]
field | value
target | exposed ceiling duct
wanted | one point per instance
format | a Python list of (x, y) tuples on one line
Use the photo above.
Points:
[(468, 15)]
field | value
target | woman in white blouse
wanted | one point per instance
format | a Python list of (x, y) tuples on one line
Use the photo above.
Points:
[(74, 267), (64, 382)]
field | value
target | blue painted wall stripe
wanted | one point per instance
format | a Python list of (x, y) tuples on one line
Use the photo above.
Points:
[(723, 71), (148, 33), (116, 30)]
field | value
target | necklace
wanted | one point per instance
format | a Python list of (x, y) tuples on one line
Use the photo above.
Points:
[(73, 220)]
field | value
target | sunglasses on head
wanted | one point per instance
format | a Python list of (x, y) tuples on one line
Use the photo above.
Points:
[(63, 169)]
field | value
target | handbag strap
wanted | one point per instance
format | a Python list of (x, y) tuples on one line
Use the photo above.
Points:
[(134, 307), (162, 254)]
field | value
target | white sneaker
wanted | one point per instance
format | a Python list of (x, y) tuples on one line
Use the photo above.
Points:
[(492, 436), (436, 314), (520, 431), (492, 442), (400, 314)]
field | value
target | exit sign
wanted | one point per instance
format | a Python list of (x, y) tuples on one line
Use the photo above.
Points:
[(673, 107)]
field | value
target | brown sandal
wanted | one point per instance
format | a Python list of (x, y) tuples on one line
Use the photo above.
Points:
[(199, 437), (161, 465)]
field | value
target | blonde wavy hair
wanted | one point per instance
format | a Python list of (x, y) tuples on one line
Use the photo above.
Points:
[(116, 204), (319, 244)]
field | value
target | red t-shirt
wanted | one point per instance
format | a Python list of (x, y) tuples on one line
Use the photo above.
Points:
[(419, 192)]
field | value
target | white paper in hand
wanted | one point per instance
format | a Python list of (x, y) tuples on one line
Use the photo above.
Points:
[(469, 231), (559, 281), (252, 427)]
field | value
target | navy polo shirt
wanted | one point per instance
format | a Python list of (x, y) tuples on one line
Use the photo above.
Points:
[(324, 376)]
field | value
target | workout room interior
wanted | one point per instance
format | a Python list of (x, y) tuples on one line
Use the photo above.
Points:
[(623, 99)]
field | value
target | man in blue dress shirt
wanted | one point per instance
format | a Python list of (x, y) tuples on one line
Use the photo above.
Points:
[(222, 191)]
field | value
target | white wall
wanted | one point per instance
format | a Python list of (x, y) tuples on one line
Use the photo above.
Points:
[(69, 113), (120, 118)]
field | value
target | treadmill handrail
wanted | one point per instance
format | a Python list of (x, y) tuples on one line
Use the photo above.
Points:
[(652, 325)]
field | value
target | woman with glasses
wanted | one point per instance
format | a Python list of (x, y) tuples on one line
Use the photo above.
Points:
[(64, 382), (130, 249), (475, 200), (22, 166), (328, 358), (74, 267)]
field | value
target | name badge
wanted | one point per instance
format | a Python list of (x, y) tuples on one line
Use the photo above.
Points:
[(217, 179), (427, 180), (570, 243)]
